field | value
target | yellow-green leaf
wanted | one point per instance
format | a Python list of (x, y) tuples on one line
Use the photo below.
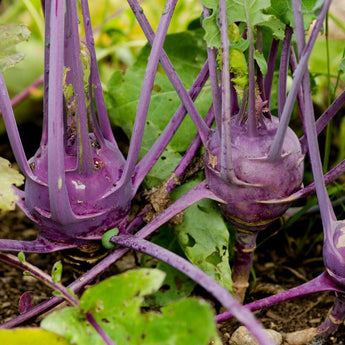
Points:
[(31, 336), (8, 177)]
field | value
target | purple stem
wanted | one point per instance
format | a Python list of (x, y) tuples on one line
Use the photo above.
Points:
[(300, 99), (46, 7), (226, 169), (330, 112), (60, 206), (144, 100), (193, 272), (158, 147), (26, 93), (99, 329), (299, 25), (321, 283), (275, 151), (12, 130), (39, 274), (335, 317), (190, 154), (270, 71), (84, 160), (40, 245), (283, 69), (95, 78), (170, 71), (326, 210), (252, 123), (212, 65)]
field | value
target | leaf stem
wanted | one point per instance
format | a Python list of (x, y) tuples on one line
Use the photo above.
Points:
[(321, 283), (39, 274), (275, 151), (144, 100), (283, 69), (252, 122), (60, 206)]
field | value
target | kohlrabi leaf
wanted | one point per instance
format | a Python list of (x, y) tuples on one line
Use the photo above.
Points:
[(204, 237), (31, 336), (187, 53), (8, 177), (176, 285), (115, 305), (236, 12), (282, 10), (10, 36), (261, 61)]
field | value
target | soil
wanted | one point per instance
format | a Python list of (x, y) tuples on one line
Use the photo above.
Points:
[(283, 259)]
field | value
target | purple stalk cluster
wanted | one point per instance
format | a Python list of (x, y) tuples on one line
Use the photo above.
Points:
[(79, 186)]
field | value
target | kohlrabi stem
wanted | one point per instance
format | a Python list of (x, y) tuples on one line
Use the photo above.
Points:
[(12, 130), (170, 71), (99, 329), (327, 115), (268, 80), (26, 92), (335, 317), (46, 5), (300, 99), (283, 69), (39, 274), (299, 26), (189, 155), (146, 90), (326, 210), (193, 272), (212, 63), (252, 122), (60, 206), (244, 251), (158, 147), (275, 151), (328, 140), (96, 85), (85, 164), (321, 283), (40, 245), (226, 169)]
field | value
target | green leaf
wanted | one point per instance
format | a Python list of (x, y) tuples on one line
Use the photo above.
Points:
[(9, 177), (282, 10), (176, 285), (187, 53), (261, 61), (10, 36), (204, 237), (115, 305), (57, 272), (236, 12), (31, 336)]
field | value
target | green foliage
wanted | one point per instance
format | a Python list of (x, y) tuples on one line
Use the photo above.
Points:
[(176, 285), (204, 237), (187, 53), (236, 12), (9, 177), (10, 36), (115, 304)]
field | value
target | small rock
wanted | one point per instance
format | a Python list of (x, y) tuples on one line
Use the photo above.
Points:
[(242, 337)]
